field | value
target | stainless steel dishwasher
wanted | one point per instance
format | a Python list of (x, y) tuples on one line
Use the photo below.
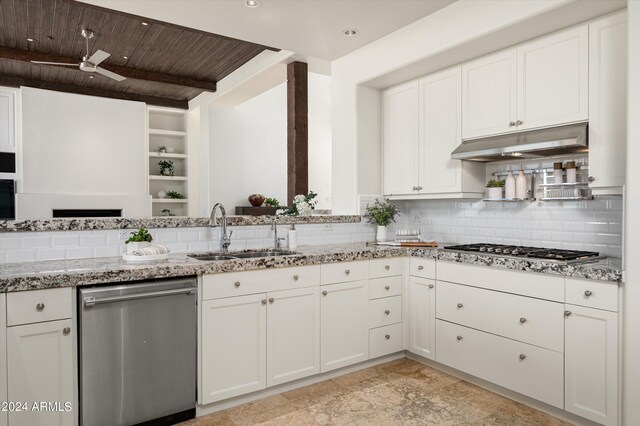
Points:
[(138, 353)]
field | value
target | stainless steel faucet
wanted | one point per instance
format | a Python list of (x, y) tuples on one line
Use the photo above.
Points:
[(276, 240), (214, 222)]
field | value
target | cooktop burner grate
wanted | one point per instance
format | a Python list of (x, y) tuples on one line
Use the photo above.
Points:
[(526, 252)]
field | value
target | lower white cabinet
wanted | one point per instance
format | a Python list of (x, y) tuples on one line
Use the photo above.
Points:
[(40, 365), (3, 358), (591, 364), (422, 317), (293, 335), (344, 324)]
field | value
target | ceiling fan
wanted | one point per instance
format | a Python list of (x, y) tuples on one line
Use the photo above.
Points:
[(89, 63)]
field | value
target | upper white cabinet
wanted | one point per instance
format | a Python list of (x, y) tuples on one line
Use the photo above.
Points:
[(538, 84), (608, 103), (400, 139), (421, 167), (8, 98), (489, 95)]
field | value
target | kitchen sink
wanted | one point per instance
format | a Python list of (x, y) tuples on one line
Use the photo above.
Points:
[(209, 257), (272, 253), (240, 255)]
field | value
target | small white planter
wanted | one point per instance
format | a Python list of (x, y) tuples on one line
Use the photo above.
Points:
[(131, 247), (494, 193), (381, 233)]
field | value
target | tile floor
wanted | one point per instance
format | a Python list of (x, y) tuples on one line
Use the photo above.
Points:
[(402, 392)]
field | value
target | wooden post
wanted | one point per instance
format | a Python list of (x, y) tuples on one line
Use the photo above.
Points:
[(297, 131)]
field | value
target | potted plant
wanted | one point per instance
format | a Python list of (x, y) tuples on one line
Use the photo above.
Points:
[(166, 168), (161, 149), (272, 202), (140, 239), (494, 189), (382, 213), (303, 205), (175, 195)]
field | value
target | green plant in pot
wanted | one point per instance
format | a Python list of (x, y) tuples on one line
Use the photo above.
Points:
[(382, 213), (139, 239), (494, 189), (166, 168)]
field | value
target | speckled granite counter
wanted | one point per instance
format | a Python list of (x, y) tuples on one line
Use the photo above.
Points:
[(38, 275)]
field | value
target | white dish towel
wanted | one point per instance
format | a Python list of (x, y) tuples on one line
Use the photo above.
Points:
[(152, 250)]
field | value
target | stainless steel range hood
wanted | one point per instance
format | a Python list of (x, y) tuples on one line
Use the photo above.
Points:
[(567, 139)]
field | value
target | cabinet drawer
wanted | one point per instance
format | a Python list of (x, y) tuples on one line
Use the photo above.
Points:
[(381, 268), (532, 284), (423, 268), (341, 272), (385, 340), (593, 294), (25, 307), (527, 369), (215, 286), (385, 287), (385, 311), (534, 321)]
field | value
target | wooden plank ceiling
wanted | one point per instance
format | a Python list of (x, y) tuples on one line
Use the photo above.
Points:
[(165, 64)]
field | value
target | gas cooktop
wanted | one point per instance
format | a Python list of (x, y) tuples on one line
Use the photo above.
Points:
[(568, 256)]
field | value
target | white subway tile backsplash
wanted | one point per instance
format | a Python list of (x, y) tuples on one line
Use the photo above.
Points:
[(51, 254)]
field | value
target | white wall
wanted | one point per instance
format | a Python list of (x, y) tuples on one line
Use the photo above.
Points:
[(248, 146)]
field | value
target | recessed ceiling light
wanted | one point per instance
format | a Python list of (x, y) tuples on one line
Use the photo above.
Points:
[(50, 37), (350, 33), (91, 76), (252, 3), (31, 40), (125, 57), (145, 23)]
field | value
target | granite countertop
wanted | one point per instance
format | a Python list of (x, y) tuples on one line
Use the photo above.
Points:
[(71, 273)]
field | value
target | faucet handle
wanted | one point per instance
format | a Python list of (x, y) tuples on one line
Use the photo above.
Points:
[(230, 234)]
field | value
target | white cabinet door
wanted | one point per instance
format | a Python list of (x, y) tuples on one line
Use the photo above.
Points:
[(40, 365), (344, 324), (400, 138), (8, 120), (3, 358), (553, 80), (422, 317), (608, 102), (489, 95), (234, 346), (293, 335), (440, 132), (591, 364)]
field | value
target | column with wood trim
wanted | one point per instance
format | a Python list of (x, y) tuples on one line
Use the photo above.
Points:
[(297, 130)]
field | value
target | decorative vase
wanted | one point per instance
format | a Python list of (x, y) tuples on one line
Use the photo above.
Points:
[(256, 200), (162, 194), (494, 193), (131, 247), (166, 172), (381, 233)]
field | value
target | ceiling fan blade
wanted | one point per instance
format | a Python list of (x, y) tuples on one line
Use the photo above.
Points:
[(55, 63), (98, 57), (110, 74)]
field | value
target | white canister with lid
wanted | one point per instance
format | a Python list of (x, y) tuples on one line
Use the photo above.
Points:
[(521, 186), (510, 186), (293, 238), (557, 173), (570, 167)]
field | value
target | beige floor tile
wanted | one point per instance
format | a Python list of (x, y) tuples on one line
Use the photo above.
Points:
[(350, 410), (261, 411), (517, 414), (357, 377), (216, 419), (315, 393)]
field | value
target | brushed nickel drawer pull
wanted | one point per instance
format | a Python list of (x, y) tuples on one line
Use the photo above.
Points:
[(264, 301), (66, 331), (567, 313), (460, 305), (296, 277), (420, 267), (522, 357), (430, 285), (324, 293), (237, 284), (387, 312), (387, 267), (523, 320), (386, 287), (347, 271), (459, 338), (387, 336), (40, 307), (271, 300), (588, 293)]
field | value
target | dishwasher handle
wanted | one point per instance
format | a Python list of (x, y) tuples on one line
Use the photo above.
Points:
[(92, 301)]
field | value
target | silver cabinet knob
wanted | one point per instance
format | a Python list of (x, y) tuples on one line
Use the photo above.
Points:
[(430, 285), (522, 357), (420, 268), (523, 320), (387, 312), (512, 123), (387, 336), (387, 287), (519, 123), (324, 293), (459, 338), (460, 305), (264, 301), (387, 267), (66, 331), (591, 179), (237, 284), (296, 277), (347, 271), (271, 300), (40, 307), (588, 293), (567, 313)]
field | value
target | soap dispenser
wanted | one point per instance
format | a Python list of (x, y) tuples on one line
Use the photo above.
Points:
[(510, 186), (521, 186), (293, 237)]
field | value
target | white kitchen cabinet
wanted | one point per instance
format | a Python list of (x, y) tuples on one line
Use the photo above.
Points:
[(400, 132), (553, 80), (293, 334), (422, 317), (234, 357), (489, 93), (440, 134), (3, 357), (40, 365), (591, 364), (8, 98), (608, 104), (344, 324)]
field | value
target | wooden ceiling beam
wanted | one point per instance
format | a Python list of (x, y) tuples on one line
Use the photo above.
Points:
[(138, 74), (92, 91)]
